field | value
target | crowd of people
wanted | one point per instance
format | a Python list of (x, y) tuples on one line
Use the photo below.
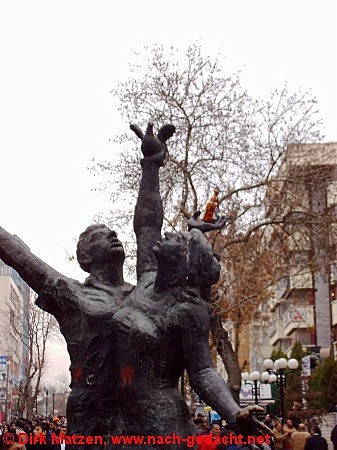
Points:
[(35, 434), (284, 436)]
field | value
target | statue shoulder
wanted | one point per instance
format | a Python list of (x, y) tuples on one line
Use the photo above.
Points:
[(58, 294), (191, 308)]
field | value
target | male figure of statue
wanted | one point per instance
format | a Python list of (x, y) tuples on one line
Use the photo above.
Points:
[(83, 312)]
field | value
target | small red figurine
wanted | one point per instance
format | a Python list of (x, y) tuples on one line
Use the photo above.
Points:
[(211, 207)]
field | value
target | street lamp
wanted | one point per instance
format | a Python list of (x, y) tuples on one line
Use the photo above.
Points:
[(254, 377), (3, 392), (18, 399), (260, 391), (277, 372), (53, 398), (7, 388), (47, 394)]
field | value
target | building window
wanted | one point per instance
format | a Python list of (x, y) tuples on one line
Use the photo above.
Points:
[(331, 194), (333, 234), (333, 292)]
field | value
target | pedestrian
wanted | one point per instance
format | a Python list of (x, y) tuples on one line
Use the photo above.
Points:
[(197, 423), (279, 436), (299, 437), (53, 428), (210, 441), (315, 441), (289, 429), (268, 421), (16, 428), (63, 433), (15, 445), (42, 439)]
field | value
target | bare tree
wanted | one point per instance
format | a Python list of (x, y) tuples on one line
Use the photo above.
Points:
[(225, 139), (38, 328)]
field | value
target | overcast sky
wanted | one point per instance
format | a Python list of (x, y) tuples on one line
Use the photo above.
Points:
[(60, 60)]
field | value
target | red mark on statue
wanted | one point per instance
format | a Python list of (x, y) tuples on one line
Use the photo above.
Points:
[(127, 375), (77, 373)]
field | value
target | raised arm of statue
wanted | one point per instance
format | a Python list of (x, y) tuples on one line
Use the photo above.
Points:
[(17, 255), (148, 218)]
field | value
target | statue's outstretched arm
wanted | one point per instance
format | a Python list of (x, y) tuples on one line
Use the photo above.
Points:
[(16, 254), (148, 218)]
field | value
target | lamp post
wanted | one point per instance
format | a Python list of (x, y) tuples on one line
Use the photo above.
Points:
[(18, 399), (3, 393), (277, 372), (263, 378), (47, 393), (7, 388), (254, 377), (53, 398)]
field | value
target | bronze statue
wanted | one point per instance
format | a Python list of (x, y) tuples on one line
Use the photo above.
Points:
[(129, 346)]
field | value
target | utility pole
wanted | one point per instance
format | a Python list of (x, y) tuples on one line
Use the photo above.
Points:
[(7, 386), (47, 393)]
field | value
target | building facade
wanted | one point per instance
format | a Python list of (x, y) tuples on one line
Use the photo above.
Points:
[(303, 304), (14, 306)]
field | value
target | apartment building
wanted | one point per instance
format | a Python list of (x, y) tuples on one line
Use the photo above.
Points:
[(303, 305), (14, 305)]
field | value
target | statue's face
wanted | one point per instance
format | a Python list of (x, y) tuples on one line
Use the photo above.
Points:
[(104, 246), (172, 247), (104, 243), (171, 255)]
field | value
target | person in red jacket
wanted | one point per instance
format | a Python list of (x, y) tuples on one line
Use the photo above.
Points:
[(210, 441)]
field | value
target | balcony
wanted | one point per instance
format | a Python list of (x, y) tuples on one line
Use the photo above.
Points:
[(297, 317), (334, 312), (301, 280), (298, 279), (282, 287), (277, 331)]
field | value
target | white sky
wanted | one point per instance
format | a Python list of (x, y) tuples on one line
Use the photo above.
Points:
[(60, 60)]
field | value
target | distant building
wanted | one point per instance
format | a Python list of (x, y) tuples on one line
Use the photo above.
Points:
[(14, 308), (304, 305)]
